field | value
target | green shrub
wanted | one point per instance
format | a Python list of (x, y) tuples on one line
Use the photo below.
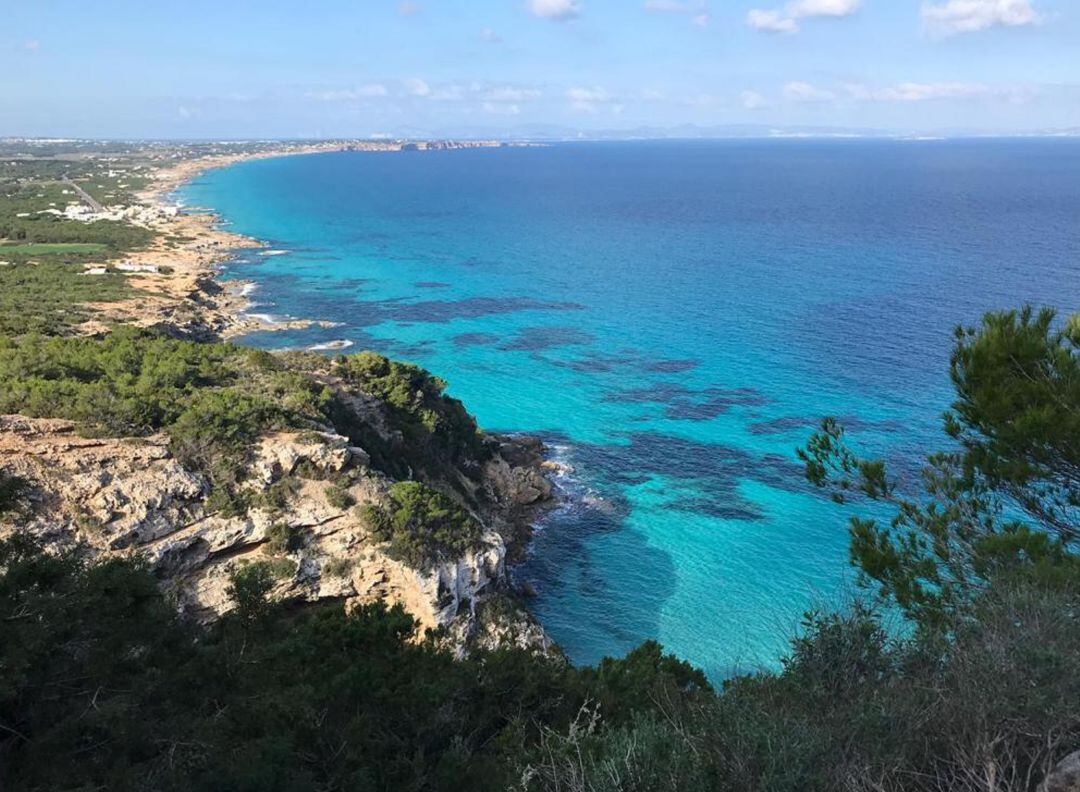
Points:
[(105, 687), (276, 498), (283, 538), (48, 296), (339, 497), (436, 430), (421, 525), (13, 489), (338, 567), (213, 400), (249, 586), (281, 568)]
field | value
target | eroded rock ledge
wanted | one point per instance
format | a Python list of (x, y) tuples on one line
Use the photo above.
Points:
[(131, 495)]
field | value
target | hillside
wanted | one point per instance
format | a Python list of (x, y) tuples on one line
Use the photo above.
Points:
[(351, 478)]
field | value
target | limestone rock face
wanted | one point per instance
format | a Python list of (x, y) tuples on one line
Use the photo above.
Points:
[(438, 596), (1065, 777), (121, 496), (514, 480), (325, 452)]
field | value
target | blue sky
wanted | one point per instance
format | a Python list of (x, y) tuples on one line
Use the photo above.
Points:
[(239, 68)]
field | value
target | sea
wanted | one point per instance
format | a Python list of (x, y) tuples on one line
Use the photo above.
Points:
[(674, 319)]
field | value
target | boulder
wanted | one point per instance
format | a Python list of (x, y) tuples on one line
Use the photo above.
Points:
[(1065, 777)]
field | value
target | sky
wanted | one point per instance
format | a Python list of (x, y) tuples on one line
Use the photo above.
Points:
[(362, 68)]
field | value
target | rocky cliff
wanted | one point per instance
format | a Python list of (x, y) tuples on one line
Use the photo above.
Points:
[(132, 495), (131, 429)]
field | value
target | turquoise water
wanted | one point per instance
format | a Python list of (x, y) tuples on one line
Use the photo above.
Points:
[(673, 318)]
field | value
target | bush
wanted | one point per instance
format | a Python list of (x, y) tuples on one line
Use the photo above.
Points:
[(852, 709), (339, 497), (283, 538), (249, 587), (211, 399), (49, 297), (436, 430), (422, 526), (12, 491), (338, 567), (104, 687)]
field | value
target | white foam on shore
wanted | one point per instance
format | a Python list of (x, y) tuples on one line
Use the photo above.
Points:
[(572, 494), (340, 343), (266, 318), (272, 252), (247, 289), (558, 459)]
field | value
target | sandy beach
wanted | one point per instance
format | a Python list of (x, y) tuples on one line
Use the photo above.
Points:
[(175, 276)]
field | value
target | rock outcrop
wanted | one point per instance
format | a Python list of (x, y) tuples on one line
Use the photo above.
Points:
[(131, 495), (1065, 777)]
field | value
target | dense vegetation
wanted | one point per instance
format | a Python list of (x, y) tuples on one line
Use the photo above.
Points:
[(213, 400), (43, 288), (976, 689), (436, 430), (102, 687), (422, 525), (49, 296)]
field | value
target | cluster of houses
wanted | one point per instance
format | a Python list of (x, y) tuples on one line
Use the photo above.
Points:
[(137, 214)]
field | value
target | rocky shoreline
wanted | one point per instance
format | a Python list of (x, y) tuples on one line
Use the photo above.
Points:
[(132, 495)]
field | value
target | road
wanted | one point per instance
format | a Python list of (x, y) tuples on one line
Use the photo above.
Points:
[(84, 195)]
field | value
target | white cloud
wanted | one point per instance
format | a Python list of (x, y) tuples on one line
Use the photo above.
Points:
[(409, 9), (498, 108), (587, 100), (652, 95), (371, 89), (445, 93), (490, 36), (752, 100), (969, 16), (511, 94), (700, 100), (554, 9), (903, 93), (32, 46), (805, 92), (925, 92), (697, 10), (417, 87), (822, 8), (786, 19), (771, 21), (349, 94)]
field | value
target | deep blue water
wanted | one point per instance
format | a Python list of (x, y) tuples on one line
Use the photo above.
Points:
[(674, 318)]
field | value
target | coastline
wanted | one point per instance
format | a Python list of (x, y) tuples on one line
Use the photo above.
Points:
[(198, 305), (178, 287), (176, 277), (197, 517)]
